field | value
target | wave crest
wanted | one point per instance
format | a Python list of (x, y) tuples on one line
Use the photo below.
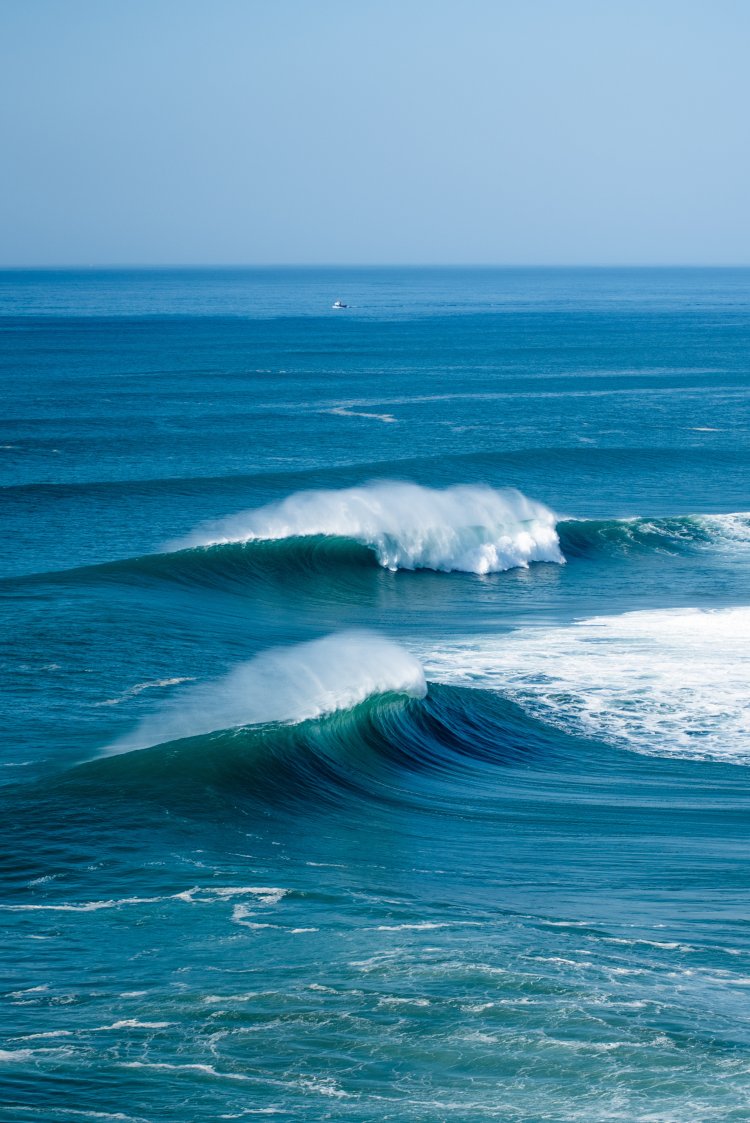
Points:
[(470, 529), (285, 685)]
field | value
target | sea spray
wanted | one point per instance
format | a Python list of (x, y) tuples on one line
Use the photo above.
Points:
[(469, 528), (285, 684)]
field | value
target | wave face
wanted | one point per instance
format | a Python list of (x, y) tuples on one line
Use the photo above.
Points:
[(448, 752), (670, 683), (287, 685), (469, 529), (672, 535)]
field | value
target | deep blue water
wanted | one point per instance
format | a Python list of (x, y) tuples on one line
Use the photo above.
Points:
[(375, 695)]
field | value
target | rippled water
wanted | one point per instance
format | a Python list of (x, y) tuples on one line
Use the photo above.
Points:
[(375, 695)]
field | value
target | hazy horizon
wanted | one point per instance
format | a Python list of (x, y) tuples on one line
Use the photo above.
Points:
[(353, 266)]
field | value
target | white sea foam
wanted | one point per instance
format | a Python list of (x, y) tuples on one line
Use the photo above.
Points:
[(9, 1055), (471, 529), (670, 682), (85, 906), (290, 684), (324, 1085), (139, 687), (166, 1066), (421, 926), (728, 530), (212, 999), (241, 912), (263, 894), (396, 1000), (342, 411), (46, 1035), (76, 1113)]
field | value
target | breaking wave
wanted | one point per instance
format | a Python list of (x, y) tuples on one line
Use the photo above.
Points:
[(285, 685), (401, 526), (403, 749), (470, 529), (465, 528)]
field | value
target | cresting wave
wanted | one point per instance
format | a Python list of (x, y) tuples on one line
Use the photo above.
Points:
[(285, 685), (439, 749), (350, 530), (277, 560), (465, 528), (470, 529), (622, 680)]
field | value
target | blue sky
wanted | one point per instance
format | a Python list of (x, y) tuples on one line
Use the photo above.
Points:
[(374, 131)]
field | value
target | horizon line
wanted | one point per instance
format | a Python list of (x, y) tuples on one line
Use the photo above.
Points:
[(123, 267)]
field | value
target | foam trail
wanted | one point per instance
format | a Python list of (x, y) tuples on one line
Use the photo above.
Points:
[(472, 529), (288, 684), (667, 682)]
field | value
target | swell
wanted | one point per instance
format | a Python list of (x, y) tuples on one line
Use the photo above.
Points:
[(448, 749), (348, 712), (356, 719), (234, 564), (231, 566), (515, 466)]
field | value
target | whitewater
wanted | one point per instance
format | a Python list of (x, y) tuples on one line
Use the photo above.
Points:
[(464, 529), (376, 741)]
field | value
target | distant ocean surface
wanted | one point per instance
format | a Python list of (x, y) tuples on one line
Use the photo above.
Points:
[(376, 738)]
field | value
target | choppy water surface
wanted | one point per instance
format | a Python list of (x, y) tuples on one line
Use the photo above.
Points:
[(375, 695)]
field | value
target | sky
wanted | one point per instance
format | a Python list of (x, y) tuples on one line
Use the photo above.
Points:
[(254, 132)]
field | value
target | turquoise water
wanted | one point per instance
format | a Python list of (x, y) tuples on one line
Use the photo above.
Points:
[(375, 695)]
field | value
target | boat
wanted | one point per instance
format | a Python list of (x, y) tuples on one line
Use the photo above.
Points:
[(339, 304)]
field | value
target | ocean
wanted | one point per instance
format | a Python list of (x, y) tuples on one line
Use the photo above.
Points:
[(375, 695)]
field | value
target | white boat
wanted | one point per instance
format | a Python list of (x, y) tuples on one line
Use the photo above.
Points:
[(339, 304)]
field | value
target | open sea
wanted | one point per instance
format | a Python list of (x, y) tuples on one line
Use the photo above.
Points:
[(375, 695)]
